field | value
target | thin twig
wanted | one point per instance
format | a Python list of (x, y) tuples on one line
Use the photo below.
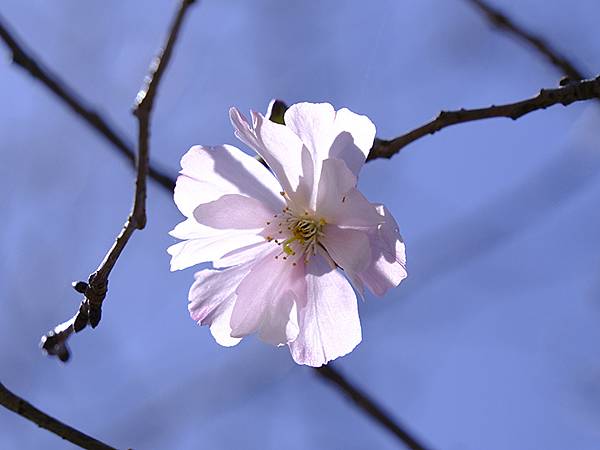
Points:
[(94, 291), (25, 409), (574, 91), (75, 102), (362, 401), (502, 21)]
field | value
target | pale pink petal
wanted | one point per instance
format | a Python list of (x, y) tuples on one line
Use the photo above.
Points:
[(329, 323), (339, 202), (190, 229), (335, 181), (211, 245), (354, 135), (211, 300), (349, 248), (355, 211), (242, 255), (280, 323), (388, 258), (264, 302), (276, 144), (313, 123), (234, 211), (329, 134), (208, 173)]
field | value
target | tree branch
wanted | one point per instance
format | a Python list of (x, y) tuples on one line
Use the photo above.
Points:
[(574, 91), (74, 101), (501, 21), (367, 405), (94, 291), (25, 409)]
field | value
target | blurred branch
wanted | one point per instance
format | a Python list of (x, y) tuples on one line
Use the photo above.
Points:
[(25, 409), (94, 291), (52, 81), (573, 91), (503, 22), (367, 405)]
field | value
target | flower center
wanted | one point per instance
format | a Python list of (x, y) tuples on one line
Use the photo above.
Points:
[(301, 233), (306, 232)]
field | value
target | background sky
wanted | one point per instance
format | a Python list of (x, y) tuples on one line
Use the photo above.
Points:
[(492, 341)]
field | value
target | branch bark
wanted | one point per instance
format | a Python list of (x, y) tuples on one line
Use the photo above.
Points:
[(25, 409), (94, 291), (574, 91), (369, 406)]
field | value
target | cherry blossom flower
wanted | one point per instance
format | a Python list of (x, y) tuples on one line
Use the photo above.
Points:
[(287, 245)]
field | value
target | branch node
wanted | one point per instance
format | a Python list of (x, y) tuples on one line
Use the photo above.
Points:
[(80, 286)]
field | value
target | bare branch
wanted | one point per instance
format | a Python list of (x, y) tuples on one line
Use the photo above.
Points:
[(574, 91), (367, 405), (74, 101), (25, 409), (500, 20), (94, 291)]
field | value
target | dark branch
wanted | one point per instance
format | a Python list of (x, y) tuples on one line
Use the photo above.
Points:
[(572, 92), (362, 401), (37, 70), (500, 20), (94, 291), (25, 409)]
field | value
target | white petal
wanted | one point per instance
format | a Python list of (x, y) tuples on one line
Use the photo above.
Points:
[(339, 202), (209, 245), (242, 255), (280, 324), (313, 124), (211, 300), (191, 229), (355, 211), (208, 173), (233, 211), (335, 181), (264, 301), (354, 135), (388, 258), (350, 249), (276, 144), (329, 134), (329, 322)]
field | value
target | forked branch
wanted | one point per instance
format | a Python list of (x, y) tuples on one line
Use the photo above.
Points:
[(94, 291)]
